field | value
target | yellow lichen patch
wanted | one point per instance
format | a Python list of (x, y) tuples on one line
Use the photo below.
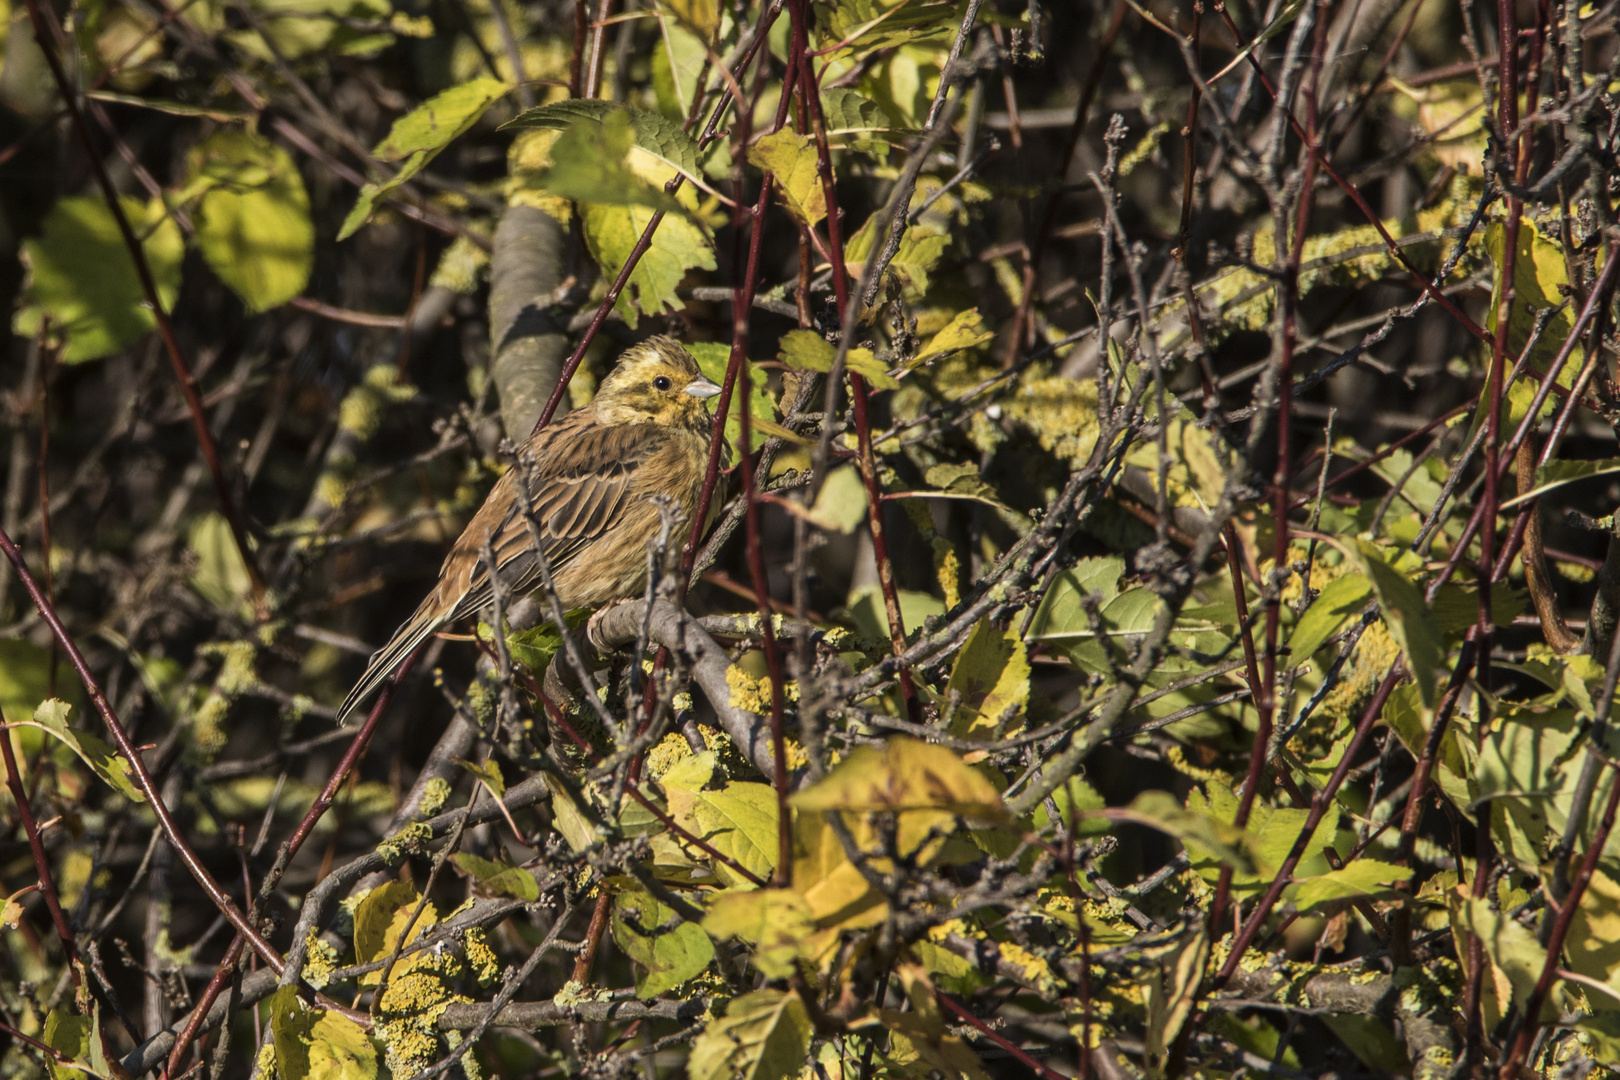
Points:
[(362, 407), (1062, 414), (320, 961), (1374, 655), (672, 748), (410, 839), (754, 694), (236, 675), (1036, 970), (1239, 298), (434, 795)]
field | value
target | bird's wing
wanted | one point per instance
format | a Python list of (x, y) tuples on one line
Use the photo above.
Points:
[(580, 482)]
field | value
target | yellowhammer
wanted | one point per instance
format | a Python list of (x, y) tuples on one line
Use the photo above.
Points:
[(591, 478)]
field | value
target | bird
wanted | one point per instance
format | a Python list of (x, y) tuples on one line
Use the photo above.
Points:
[(592, 476)]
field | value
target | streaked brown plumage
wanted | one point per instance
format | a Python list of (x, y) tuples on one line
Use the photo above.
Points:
[(591, 480)]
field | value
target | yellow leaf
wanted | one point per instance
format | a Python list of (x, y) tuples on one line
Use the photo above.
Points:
[(841, 504), (764, 1035), (314, 1044), (991, 675), (791, 158), (778, 923), (965, 331), (701, 16), (1594, 939), (380, 919), (904, 775)]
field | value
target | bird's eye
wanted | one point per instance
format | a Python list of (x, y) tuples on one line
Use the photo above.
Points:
[(662, 382)]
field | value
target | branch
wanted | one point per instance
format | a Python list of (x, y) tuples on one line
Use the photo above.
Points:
[(527, 343), (672, 628)]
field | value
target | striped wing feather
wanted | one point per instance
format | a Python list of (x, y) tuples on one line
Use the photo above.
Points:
[(583, 478)]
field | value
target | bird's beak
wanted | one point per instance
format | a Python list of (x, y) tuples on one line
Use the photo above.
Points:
[(701, 387)]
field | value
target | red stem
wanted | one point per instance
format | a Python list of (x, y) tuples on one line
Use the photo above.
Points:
[(1320, 803), (351, 757), (859, 392), (645, 241)]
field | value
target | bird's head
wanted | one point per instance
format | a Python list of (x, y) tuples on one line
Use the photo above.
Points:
[(656, 381)]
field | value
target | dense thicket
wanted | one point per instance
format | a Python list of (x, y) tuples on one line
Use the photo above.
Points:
[(1161, 622)]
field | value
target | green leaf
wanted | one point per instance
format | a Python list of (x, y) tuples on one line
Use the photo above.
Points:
[(253, 225), (315, 1044), (678, 247), (588, 165), (107, 763), (872, 26), (1339, 599), (868, 613), (776, 922), (1363, 877), (535, 646), (1410, 622), (669, 948), (702, 16), (841, 504), (604, 125), (904, 774), (990, 678), (1557, 474), (964, 482), (1540, 278), (859, 122), (806, 350), (1075, 801), (678, 61), (430, 127), (739, 821), (1062, 613), (1275, 27), (1371, 1040), (1511, 946), (965, 331), (713, 358), (791, 158), (221, 576), (764, 1035), (914, 260), (498, 878), (173, 108), (82, 280), (489, 773), (301, 28), (79, 1038), (577, 829), (417, 138)]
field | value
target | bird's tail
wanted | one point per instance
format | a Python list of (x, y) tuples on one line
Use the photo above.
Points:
[(406, 640)]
